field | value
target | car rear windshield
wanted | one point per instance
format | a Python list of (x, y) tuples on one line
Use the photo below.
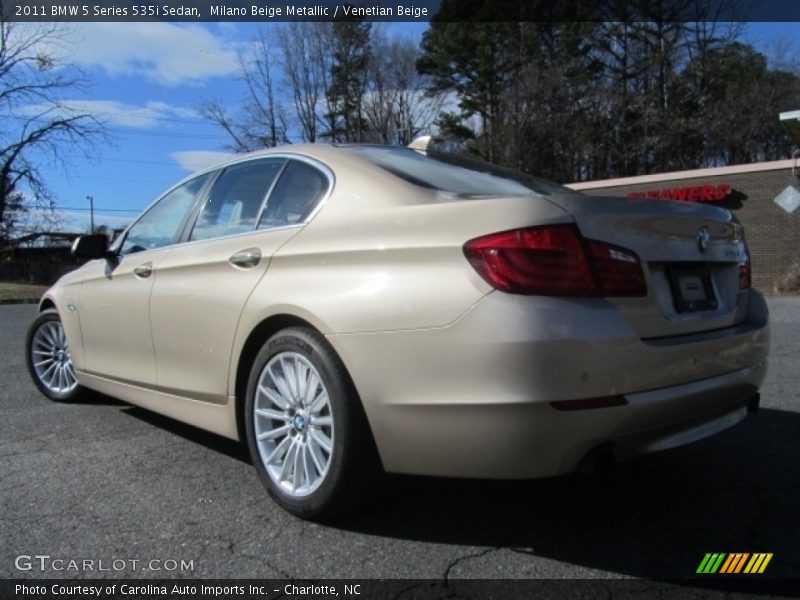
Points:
[(455, 174)]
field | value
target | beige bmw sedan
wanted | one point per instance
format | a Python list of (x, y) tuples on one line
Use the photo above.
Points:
[(354, 310)]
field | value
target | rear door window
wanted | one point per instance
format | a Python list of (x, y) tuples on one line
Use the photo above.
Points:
[(236, 200), (296, 194)]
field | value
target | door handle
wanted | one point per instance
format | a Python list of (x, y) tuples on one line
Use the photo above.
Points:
[(246, 259), (144, 270)]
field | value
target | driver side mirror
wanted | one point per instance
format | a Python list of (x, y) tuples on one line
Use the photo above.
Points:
[(91, 246)]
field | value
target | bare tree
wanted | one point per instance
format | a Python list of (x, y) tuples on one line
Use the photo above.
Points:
[(351, 56), (299, 42), (397, 105), (346, 82), (262, 123), (37, 125)]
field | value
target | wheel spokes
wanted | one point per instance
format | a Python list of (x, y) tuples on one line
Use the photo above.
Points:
[(275, 397), (322, 421), (279, 451), (274, 433), (312, 385), (316, 456), (323, 440), (293, 424), (49, 373), (279, 381), (52, 362), (272, 414)]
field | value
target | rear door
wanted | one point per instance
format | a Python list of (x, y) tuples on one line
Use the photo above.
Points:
[(203, 284)]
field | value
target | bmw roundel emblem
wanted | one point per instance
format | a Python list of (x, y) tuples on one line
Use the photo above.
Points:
[(703, 238)]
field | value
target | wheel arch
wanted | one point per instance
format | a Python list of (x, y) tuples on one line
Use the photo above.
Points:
[(252, 345), (47, 303)]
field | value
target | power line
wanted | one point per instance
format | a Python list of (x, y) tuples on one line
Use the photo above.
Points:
[(145, 162), (151, 162), (200, 136), (161, 182), (143, 117), (136, 132), (130, 210)]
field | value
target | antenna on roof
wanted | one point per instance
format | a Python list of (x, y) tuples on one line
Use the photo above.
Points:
[(421, 143)]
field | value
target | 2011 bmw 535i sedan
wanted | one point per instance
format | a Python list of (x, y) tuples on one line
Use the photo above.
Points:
[(349, 310)]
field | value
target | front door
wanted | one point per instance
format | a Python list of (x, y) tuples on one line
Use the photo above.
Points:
[(115, 294)]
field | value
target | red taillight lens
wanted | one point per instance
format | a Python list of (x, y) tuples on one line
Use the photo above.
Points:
[(744, 271), (554, 260), (618, 270), (538, 260)]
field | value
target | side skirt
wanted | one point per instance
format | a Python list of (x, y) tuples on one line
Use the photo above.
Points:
[(216, 418)]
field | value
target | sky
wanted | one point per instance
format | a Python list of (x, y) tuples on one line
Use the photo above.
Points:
[(149, 78)]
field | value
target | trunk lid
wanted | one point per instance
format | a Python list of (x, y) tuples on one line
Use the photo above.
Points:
[(690, 255)]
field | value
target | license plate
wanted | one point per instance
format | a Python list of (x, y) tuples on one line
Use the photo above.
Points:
[(692, 289)]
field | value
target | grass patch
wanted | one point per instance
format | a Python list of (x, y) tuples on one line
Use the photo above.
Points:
[(20, 291)]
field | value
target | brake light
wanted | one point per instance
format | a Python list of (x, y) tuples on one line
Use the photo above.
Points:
[(538, 260), (744, 270), (555, 260), (619, 272)]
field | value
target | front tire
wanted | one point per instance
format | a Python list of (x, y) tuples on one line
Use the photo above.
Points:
[(306, 429), (48, 358)]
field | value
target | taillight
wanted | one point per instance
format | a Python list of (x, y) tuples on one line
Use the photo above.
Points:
[(555, 260), (538, 260), (744, 270), (619, 272)]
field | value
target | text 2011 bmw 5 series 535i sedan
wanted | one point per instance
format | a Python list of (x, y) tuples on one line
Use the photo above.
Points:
[(349, 310)]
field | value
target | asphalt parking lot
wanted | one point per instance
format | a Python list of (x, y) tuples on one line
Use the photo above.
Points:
[(104, 480)]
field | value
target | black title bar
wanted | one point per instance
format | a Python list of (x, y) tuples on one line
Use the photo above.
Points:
[(708, 587), (399, 10)]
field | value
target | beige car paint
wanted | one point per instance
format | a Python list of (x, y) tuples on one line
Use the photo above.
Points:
[(193, 347), (492, 374), (455, 378), (117, 300)]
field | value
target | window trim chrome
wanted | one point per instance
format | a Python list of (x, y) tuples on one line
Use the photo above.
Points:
[(264, 203)]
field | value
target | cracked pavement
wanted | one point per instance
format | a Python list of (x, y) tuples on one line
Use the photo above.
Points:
[(105, 480)]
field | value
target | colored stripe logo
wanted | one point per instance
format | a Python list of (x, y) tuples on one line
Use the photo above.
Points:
[(736, 562)]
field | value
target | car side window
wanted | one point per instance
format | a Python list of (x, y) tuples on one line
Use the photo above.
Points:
[(297, 192), (158, 227), (236, 199)]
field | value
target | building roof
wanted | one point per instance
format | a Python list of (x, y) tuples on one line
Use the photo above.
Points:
[(775, 165)]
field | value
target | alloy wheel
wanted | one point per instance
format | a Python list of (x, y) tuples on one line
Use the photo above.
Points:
[(51, 358), (293, 424)]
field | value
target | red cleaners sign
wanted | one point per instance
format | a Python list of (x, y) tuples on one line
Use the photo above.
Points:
[(699, 193)]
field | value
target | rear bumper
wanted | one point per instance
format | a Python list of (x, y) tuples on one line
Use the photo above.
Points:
[(473, 399)]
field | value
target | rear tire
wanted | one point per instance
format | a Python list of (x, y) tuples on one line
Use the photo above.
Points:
[(48, 359), (306, 429)]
